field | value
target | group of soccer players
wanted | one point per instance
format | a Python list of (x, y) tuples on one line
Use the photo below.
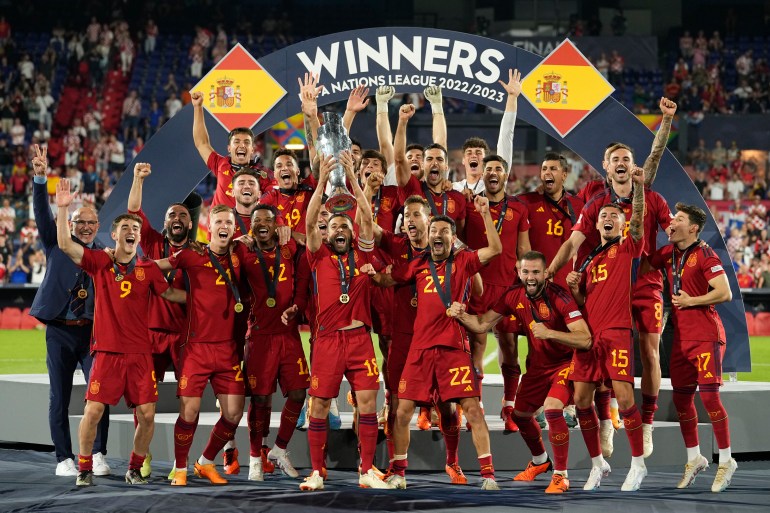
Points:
[(428, 265)]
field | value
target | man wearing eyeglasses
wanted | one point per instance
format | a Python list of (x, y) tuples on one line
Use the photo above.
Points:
[(65, 303)]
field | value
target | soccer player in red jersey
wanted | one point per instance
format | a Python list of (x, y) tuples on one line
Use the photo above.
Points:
[(121, 344), (240, 149), (698, 282), (554, 328), (647, 306), (603, 283), (342, 343), (210, 352), (246, 193), (509, 216), (167, 321), (273, 349), (291, 197), (435, 167), (439, 361)]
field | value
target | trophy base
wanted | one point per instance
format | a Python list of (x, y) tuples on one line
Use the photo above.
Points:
[(340, 203)]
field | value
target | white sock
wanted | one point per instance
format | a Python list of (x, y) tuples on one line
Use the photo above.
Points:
[(725, 455), (181, 469), (399, 457), (637, 461), (613, 402), (605, 422), (277, 451), (508, 403), (598, 461), (230, 445), (562, 472), (254, 459), (540, 458), (204, 461), (333, 409), (693, 452)]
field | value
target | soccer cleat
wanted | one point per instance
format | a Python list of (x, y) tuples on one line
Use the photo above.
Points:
[(324, 473), (335, 421), (489, 483), (85, 478), (302, 420), (209, 471), (281, 459), (691, 471), (647, 437), (147, 466), (569, 416), (134, 476), (559, 484), (423, 420), (255, 469), (634, 479), (615, 416), (724, 475), (66, 468), (596, 475), (397, 482), (507, 415), (313, 482), (267, 466), (372, 480), (533, 470), (540, 418), (231, 465), (180, 478), (606, 437), (100, 465), (172, 473), (455, 473)]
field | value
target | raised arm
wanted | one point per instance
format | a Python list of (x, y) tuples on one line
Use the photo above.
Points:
[(433, 95), (357, 101), (141, 171), (573, 281), (313, 236), (63, 200), (566, 252), (508, 124), (308, 96), (668, 108), (494, 245), (636, 226), (43, 217), (364, 210), (405, 112), (200, 134), (384, 134)]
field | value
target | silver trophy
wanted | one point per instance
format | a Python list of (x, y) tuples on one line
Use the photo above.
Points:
[(333, 139)]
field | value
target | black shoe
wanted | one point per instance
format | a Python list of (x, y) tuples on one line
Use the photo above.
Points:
[(134, 476), (85, 478)]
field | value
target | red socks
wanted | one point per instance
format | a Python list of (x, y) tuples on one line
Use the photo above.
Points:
[(450, 428), (85, 463), (367, 436), (487, 469), (222, 433), (632, 420), (511, 375), (183, 437), (289, 415), (136, 461), (316, 439), (602, 401), (684, 402), (709, 394), (399, 467), (649, 406), (531, 433), (258, 415), (558, 435), (589, 428)]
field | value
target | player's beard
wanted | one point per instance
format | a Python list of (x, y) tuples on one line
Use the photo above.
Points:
[(538, 290), (177, 238), (340, 249)]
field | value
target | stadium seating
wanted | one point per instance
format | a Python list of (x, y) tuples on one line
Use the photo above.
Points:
[(762, 324)]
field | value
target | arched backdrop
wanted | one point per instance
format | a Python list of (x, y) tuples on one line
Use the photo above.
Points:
[(468, 67)]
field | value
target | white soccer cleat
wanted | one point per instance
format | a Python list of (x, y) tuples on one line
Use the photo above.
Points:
[(595, 477), (724, 475), (255, 469), (634, 479), (66, 468), (371, 480), (313, 482), (691, 471), (100, 465), (281, 460), (490, 484), (397, 481), (607, 437), (647, 430)]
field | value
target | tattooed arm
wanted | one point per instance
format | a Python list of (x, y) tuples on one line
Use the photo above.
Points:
[(636, 226), (668, 108)]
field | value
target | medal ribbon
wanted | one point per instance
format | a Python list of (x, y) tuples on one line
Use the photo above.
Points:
[(678, 270), (223, 274), (598, 249), (240, 222), (129, 267), (503, 211), (345, 280), (570, 213), (272, 283), (167, 253), (532, 300), (444, 293), (429, 196)]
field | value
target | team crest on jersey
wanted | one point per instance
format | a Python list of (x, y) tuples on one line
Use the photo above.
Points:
[(692, 260), (182, 382), (253, 382), (545, 312), (139, 274), (95, 387), (402, 386), (285, 252), (450, 206), (386, 205), (301, 197), (509, 215), (314, 383), (226, 172), (234, 259), (612, 253)]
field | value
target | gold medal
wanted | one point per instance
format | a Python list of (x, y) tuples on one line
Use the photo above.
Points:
[(344, 299), (118, 277), (82, 293), (448, 312), (270, 302), (238, 307), (413, 302)]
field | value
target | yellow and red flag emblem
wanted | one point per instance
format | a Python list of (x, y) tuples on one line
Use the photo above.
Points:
[(565, 87), (238, 91)]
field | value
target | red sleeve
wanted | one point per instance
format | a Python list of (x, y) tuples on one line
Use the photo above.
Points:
[(662, 211), (503, 305), (657, 260), (586, 223), (315, 257), (462, 205), (523, 217), (473, 263), (302, 282), (405, 273), (181, 259), (567, 307), (636, 246), (268, 198), (213, 163), (711, 265), (412, 188), (94, 260), (158, 283), (150, 236)]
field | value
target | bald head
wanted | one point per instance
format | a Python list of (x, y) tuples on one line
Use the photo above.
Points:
[(84, 224)]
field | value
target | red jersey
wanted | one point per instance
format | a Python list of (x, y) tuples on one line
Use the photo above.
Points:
[(432, 326), (501, 270), (162, 315), (120, 312), (450, 203), (591, 189), (696, 267), (263, 318), (401, 252), (607, 285), (291, 205), (224, 170), (385, 207), (555, 308), (210, 300), (550, 225), (331, 313), (656, 213)]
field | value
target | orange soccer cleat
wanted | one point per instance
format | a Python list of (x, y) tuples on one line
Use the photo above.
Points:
[(455, 473), (209, 472), (533, 470), (423, 420), (268, 467), (180, 478), (231, 465), (559, 484)]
